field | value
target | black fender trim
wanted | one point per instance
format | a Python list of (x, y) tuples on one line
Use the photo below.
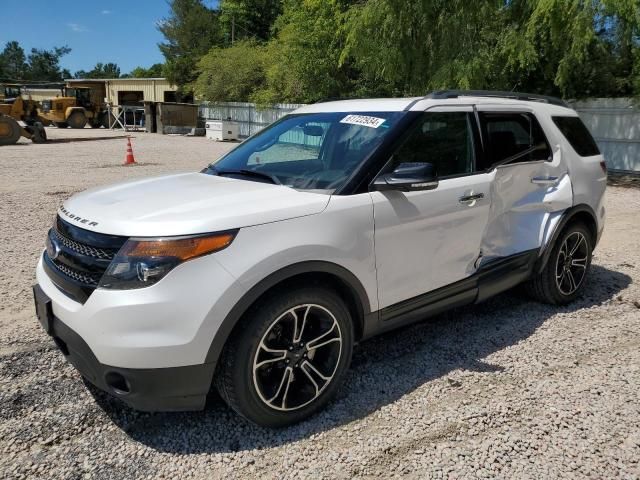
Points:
[(310, 268), (567, 216)]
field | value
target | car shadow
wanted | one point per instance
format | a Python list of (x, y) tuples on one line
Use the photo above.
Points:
[(383, 370)]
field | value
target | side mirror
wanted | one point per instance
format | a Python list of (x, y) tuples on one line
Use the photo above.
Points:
[(408, 177)]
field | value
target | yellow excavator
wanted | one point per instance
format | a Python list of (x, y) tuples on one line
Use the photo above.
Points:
[(14, 109)]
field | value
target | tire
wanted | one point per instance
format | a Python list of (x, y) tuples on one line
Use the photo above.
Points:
[(61, 124), (37, 132), (77, 119), (563, 277), (258, 363), (9, 131)]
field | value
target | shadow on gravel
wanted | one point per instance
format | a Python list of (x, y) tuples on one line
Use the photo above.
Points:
[(384, 369), (84, 139)]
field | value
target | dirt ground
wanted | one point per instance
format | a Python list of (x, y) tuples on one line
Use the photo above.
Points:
[(506, 389)]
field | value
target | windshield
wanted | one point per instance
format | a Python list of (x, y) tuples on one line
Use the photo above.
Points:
[(316, 151)]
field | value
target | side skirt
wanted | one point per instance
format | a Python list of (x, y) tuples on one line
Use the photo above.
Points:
[(493, 278)]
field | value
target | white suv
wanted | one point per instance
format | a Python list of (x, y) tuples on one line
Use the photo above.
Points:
[(338, 222)]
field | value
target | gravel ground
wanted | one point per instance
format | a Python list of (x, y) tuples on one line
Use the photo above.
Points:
[(508, 389)]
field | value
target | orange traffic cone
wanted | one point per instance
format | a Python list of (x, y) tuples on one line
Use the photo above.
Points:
[(129, 159)]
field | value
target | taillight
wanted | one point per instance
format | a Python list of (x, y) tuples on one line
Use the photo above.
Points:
[(603, 166)]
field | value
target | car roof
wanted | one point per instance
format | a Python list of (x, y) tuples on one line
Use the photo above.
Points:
[(541, 103)]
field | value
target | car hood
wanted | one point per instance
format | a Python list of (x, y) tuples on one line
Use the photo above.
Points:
[(186, 204)]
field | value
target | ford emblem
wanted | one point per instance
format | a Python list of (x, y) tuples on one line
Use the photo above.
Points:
[(53, 249)]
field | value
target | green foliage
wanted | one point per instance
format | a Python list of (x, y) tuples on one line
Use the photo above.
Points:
[(304, 57), (408, 48), (190, 31), (154, 71), (39, 65), (573, 48), (101, 70), (231, 74), (248, 19), (340, 48), (13, 62)]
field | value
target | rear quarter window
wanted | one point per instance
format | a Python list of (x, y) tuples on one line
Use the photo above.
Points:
[(578, 135)]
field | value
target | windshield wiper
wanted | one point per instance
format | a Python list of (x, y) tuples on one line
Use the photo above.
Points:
[(248, 173)]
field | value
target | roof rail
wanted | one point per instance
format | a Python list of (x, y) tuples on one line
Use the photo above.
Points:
[(527, 97)]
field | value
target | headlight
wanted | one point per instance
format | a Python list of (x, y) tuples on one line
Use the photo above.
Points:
[(141, 262)]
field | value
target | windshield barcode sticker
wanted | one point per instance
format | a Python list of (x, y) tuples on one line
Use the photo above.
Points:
[(364, 120)]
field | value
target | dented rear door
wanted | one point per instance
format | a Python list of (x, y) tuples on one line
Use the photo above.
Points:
[(529, 193)]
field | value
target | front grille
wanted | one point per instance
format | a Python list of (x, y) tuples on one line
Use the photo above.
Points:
[(87, 250), (89, 279), (76, 258)]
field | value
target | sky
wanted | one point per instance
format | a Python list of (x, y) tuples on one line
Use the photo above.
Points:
[(118, 31)]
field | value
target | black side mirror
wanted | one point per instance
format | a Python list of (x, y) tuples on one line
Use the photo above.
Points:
[(408, 177)]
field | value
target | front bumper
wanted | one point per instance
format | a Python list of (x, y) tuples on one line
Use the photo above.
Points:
[(147, 389), (170, 324)]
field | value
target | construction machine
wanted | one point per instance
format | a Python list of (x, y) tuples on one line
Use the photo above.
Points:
[(77, 107), (14, 108)]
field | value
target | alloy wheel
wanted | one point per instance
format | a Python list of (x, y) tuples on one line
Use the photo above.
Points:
[(571, 266), (297, 357)]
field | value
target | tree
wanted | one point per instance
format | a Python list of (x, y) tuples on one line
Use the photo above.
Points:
[(154, 71), (44, 65), (190, 31), (101, 70), (249, 19), (304, 58), (313, 49), (425, 44), (561, 47), (13, 62), (231, 74)]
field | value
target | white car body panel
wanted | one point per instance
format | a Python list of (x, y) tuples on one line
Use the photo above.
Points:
[(169, 324), (519, 207), (342, 235), (428, 239), (172, 322), (186, 204)]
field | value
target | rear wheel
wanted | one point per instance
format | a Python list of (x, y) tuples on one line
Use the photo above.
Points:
[(61, 124), (9, 131), (564, 276), (288, 358), (77, 120)]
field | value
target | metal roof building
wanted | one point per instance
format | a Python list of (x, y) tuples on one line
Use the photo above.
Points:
[(131, 91)]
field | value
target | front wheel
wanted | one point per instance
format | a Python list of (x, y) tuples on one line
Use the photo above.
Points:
[(77, 120), (565, 273), (288, 358)]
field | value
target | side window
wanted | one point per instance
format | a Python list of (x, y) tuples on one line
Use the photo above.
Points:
[(508, 134), (578, 136), (444, 139)]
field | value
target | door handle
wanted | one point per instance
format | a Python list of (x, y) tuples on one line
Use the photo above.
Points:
[(469, 199), (545, 180)]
